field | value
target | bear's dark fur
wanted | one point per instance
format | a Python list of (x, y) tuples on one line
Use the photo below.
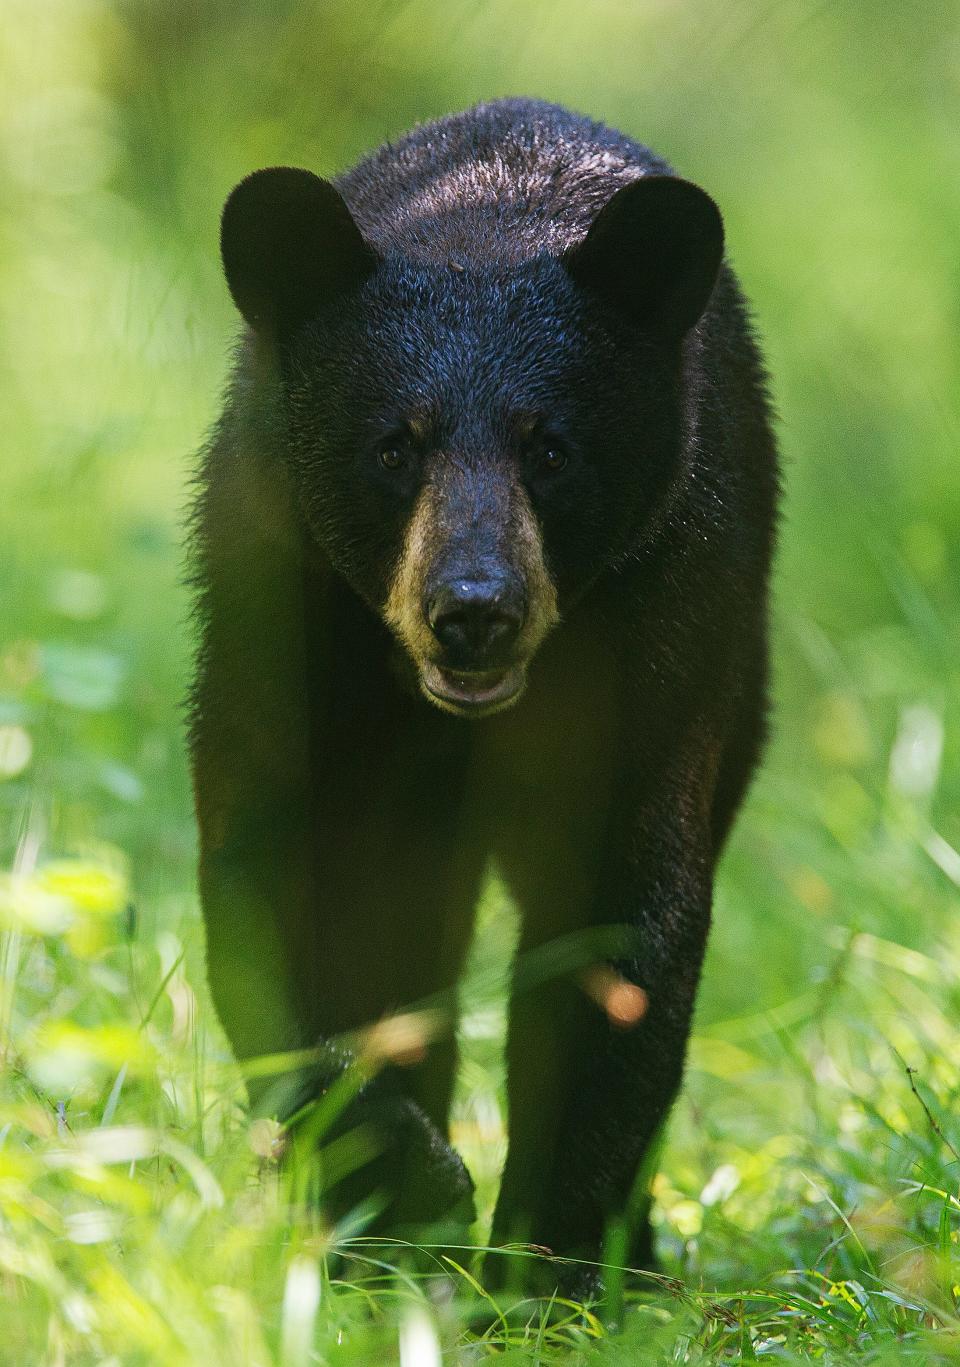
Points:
[(482, 547)]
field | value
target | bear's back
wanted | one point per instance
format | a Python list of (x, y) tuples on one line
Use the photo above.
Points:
[(499, 183)]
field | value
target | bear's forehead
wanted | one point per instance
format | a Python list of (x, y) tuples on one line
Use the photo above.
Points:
[(456, 411), (509, 311), (461, 358)]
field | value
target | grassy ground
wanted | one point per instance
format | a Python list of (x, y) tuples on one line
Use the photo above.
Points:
[(807, 1201)]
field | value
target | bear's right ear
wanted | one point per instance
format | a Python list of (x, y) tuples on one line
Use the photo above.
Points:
[(289, 246), (654, 251)]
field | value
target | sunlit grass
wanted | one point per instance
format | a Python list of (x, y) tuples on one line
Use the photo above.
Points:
[(810, 1207)]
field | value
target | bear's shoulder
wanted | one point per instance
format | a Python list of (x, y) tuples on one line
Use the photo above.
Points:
[(508, 179)]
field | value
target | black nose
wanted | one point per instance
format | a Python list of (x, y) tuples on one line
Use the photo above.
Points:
[(476, 620)]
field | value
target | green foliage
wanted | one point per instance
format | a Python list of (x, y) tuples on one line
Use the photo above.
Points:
[(807, 1199)]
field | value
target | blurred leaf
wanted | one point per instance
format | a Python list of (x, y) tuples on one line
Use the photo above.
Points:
[(81, 676)]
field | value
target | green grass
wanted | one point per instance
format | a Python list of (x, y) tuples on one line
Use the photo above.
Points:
[(806, 1204), (808, 1193)]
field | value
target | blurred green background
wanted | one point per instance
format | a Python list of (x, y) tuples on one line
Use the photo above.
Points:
[(828, 133)]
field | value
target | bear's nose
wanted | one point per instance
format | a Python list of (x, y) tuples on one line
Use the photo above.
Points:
[(476, 620)]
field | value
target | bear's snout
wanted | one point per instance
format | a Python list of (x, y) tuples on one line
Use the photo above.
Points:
[(477, 621), (471, 608)]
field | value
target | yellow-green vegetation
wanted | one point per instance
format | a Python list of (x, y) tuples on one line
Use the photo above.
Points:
[(808, 1197)]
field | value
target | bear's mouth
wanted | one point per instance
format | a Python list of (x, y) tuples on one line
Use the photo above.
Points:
[(472, 693)]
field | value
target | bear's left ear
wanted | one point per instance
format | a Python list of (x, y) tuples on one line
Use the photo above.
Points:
[(654, 251), (289, 247)]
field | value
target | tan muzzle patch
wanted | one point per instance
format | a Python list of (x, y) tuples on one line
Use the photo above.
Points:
[(425, 542)]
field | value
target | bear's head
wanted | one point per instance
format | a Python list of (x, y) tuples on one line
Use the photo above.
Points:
[(474, 441)]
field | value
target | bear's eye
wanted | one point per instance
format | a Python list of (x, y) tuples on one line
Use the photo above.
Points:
[(553, 460), (392, 458)]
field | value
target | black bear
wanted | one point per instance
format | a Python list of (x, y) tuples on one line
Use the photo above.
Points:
[(482, 547)]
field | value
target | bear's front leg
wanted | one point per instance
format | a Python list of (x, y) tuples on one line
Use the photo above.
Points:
[(333, 909), (595, 1056)]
